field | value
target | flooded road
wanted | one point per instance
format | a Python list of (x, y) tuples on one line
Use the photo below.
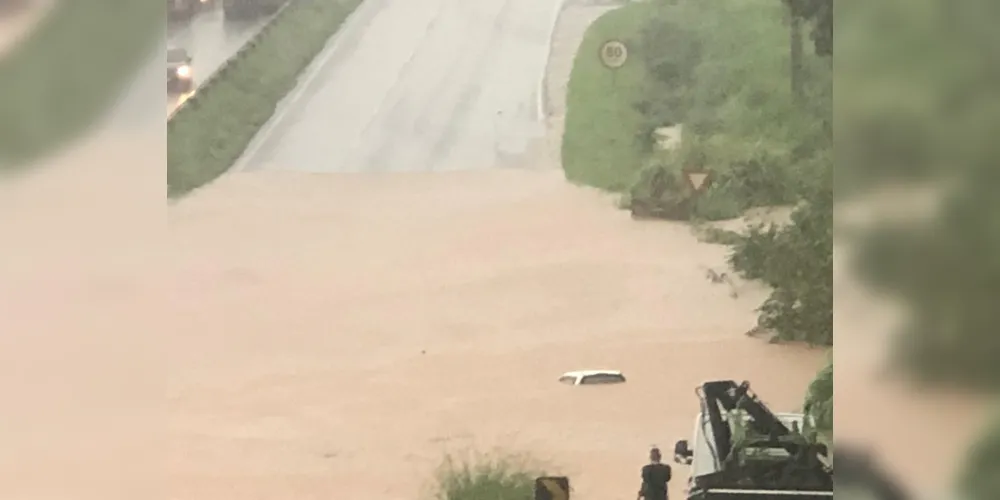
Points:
[(327, 324)]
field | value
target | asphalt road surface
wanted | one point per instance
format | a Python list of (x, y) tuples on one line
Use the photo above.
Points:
[(415, 86), (211, 40)]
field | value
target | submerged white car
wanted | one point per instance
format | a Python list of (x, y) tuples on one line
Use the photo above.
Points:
[(591, 377)]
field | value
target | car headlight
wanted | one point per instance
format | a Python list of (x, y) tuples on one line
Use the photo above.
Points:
[(184, 72)]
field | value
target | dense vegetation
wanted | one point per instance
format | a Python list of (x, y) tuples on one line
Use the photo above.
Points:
[(819, 399), (486, 477), (723, 71)]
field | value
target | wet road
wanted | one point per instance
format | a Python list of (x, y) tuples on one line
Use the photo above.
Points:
[(211, 40), (415, 86)]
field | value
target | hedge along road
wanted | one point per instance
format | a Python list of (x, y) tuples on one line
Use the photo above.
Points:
[(417, 85), (211, 40)]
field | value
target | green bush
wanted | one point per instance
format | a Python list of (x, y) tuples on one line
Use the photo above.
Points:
[(797, 262), (483, 477), (663, 100), (716, 203), (722, 70), (210, 133), (660, 191), (819, 399)]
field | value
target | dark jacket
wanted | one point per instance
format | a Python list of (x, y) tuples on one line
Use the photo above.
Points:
[(654, 481)]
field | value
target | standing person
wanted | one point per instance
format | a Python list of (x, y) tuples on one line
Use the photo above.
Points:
[(655, 477)]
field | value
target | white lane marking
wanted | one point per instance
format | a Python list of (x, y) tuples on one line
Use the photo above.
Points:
[(542, 79)]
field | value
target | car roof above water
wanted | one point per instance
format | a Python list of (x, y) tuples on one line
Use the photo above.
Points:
[(587, 373)]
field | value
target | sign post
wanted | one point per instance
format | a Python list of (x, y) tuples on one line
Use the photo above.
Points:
[(613, 55)]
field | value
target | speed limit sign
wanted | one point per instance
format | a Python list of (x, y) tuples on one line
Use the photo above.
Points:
[(614, 54)]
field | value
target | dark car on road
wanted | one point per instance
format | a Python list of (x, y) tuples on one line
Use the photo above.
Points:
[(245, 9), (179, 75)]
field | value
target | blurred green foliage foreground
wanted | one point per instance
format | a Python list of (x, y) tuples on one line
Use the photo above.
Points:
[(63, 77), (922, 106), (918, 107), (210, 133)]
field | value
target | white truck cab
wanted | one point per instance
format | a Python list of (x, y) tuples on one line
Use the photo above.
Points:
[(757, 469)]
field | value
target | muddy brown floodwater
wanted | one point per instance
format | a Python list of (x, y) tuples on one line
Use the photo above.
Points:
[(340, 341)]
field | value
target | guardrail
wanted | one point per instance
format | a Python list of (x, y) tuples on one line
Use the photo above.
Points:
[(233, 60)]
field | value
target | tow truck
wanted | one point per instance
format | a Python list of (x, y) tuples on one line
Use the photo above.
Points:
[(742, 451)]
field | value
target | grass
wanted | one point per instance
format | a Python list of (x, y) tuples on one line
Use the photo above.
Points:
[(486, 477), (722, 71), (600, 147), (210, 133)]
